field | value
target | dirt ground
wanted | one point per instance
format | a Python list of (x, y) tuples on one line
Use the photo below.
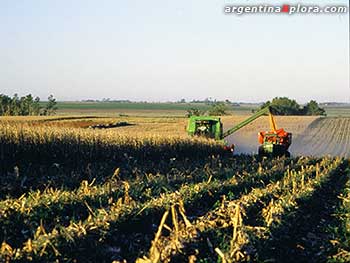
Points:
[(324, 136)]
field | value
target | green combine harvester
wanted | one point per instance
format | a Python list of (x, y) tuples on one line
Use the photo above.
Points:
[(272, 143)]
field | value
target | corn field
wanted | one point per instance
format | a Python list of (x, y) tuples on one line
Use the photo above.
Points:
[(74, 195)]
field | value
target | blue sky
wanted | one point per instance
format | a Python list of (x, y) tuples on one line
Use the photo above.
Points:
[(167, 50)]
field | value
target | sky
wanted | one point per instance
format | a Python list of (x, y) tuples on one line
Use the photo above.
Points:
[(168, 50)]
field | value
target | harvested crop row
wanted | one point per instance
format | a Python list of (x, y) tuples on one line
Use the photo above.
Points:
[(341, 247), (52, 207), (305, 231), (205, 229), (278, 209), (100, 220)]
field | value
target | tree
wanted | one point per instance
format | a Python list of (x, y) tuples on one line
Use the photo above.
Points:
[(50, 107), (5, 104), (36, 106), (26, 105), (312, 108), (15, 107), (286, 106), (218, 109), (194, 112)]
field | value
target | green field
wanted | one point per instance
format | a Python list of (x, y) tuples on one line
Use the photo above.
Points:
[(132, 106), (334, 111), (161, 109), (140, 108)]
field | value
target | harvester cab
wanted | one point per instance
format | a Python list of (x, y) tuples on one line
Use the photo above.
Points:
[(273, 143), (205, 126)]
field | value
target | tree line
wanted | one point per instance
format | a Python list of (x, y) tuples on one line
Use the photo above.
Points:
[(26, 105), (216, 109), (279, 106), (286, 106)]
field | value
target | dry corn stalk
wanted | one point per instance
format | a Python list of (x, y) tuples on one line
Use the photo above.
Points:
[(154, 253), (239, 237), (175, 223), (221, 254), (126, 194)]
